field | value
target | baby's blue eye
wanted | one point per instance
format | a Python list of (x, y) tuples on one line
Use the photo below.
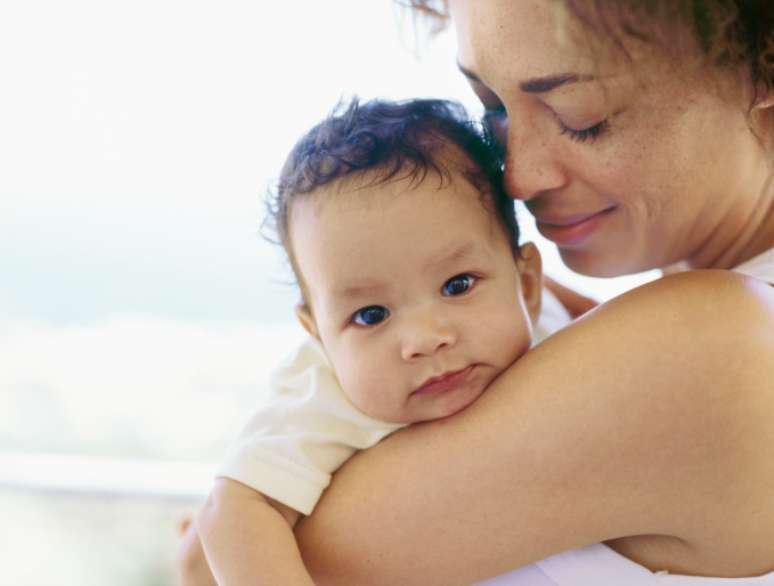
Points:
[(458, 285), (371, 315)]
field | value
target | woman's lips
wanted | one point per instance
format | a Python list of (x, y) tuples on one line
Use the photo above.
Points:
[(445, 382), (571, 230)]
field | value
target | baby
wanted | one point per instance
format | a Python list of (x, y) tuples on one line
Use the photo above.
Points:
[(415, 294)]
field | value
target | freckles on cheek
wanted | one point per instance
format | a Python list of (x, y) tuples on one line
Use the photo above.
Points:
[(621, 175), (601, 171)]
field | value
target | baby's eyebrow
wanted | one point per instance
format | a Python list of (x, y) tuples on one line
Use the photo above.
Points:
[(358, 290), (374, 289), (452, 256)]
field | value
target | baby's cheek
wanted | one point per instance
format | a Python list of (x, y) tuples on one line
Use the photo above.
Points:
[(365, 386), (512, 340)]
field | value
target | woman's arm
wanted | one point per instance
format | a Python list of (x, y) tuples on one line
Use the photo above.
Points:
[(575, 303), (651, 415)]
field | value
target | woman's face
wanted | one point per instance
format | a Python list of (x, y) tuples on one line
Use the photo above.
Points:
[(627, 162)]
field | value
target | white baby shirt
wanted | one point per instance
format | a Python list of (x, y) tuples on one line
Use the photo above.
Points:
[(306, 427)]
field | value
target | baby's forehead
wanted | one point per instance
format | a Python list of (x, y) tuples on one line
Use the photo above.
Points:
[(357, 195), (378, 200), (390, 180)]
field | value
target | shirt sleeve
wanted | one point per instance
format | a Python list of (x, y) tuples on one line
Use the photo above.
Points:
[(304, 431)]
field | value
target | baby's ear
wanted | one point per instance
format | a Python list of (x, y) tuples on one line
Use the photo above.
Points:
[(531, 272), (304, 316)]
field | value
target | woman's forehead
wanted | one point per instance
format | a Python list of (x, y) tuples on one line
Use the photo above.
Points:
[(518, 40)]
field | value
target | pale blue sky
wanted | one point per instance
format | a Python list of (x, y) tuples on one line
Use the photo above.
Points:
[(138, 138)]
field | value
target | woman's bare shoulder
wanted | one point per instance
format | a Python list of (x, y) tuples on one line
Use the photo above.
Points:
[(694, 292), (716, 325), (703, 344), (698, 314), (690, 340)]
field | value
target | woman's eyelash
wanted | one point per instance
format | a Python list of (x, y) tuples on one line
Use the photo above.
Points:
[(585, 134), (495, 115)]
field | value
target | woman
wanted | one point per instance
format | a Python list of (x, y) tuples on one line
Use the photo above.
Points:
[(639, 135)]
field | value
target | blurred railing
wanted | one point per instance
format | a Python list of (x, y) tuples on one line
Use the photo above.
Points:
[(90, 476)]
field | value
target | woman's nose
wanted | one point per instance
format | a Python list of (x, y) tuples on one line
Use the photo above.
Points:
[(425, 336), (532, 165)]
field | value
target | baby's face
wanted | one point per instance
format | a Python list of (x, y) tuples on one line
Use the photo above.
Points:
[(414, 291)]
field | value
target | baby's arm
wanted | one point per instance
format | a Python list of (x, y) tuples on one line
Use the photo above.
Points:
[(249, 539), (290, 447)]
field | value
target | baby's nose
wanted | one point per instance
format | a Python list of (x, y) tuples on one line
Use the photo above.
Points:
[(425, 337)]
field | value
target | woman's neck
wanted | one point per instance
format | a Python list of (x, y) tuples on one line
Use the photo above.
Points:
[(738, 240)]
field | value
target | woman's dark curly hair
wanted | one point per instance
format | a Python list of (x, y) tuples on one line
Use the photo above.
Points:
[(391, 140), (729, 32)]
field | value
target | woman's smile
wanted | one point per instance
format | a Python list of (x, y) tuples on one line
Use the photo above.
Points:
[(571, 230)]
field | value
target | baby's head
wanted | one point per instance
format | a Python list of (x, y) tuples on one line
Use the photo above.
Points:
[(406, 251)]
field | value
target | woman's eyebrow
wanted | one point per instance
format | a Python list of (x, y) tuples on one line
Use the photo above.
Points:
[(541, 85), (536, 85)]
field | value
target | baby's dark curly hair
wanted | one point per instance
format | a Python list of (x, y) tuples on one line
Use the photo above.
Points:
[(391, 140)]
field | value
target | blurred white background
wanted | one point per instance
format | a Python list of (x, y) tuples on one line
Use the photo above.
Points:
[(140, 310)]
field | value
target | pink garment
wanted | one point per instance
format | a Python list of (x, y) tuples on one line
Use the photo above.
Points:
[(598, 565)]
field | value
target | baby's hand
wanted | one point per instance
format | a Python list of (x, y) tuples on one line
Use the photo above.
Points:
[(191, 564)]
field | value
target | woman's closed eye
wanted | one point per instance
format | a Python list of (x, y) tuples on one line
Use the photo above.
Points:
[(458, 285), (370, 316), (496, 122), (590, 133)]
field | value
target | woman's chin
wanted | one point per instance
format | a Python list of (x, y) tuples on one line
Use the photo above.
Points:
[(603, 264)]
